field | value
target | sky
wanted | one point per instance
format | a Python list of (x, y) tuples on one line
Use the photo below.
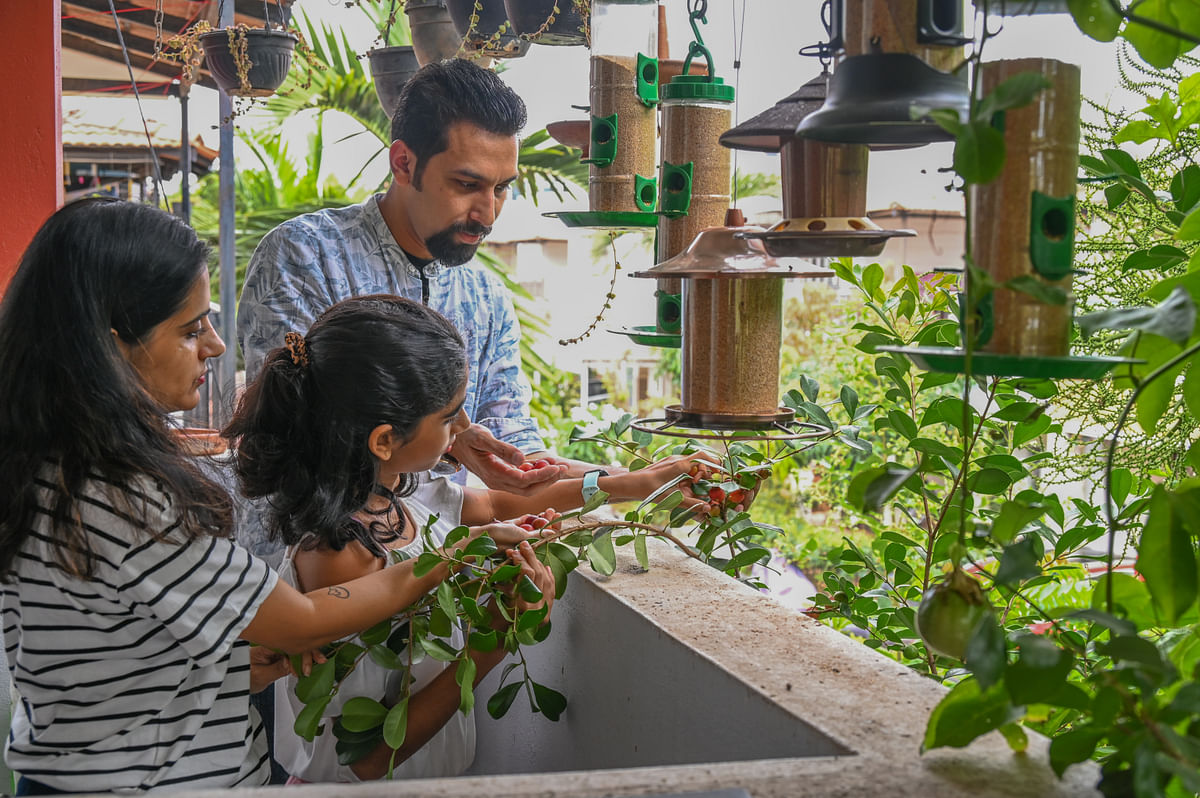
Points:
[(763, 37)]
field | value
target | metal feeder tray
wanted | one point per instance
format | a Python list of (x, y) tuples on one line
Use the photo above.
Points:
[(992, 364), (789, 431), (826, 243), (648, 335), (607, 220)]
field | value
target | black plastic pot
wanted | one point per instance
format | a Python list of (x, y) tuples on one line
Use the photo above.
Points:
[(492, 34), (530, 20), (269, 53), (391, 68), (433, 34)]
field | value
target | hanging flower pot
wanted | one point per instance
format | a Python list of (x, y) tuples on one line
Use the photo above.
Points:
[(554, 22), (391, 68), (433, 35), (485, 28), (248, 62)]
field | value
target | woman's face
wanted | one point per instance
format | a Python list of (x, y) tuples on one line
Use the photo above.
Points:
[(171, 358)]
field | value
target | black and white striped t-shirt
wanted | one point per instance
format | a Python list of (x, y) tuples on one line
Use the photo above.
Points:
[(135, 679)]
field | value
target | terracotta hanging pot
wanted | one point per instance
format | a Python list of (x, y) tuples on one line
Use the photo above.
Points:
[(485, 28), (391, 68), (553, 22), (256, 71)]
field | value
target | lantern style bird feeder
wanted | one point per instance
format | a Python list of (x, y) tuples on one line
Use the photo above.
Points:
[(732, 330), (824, 183), (897, 53), (1023, 226)]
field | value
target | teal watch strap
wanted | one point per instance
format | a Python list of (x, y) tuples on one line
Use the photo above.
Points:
[(591, 483)]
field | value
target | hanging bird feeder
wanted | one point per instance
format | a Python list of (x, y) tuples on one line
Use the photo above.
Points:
[(732, 329), (1023, 226), (897, 53), (824, 183)]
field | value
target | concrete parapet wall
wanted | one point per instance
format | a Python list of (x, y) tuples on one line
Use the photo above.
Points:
[(681, 679)]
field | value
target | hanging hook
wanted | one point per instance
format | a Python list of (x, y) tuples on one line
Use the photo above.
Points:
[(697, 13)]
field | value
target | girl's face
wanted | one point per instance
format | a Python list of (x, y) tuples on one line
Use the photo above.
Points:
[(433, 437), (171, 359)]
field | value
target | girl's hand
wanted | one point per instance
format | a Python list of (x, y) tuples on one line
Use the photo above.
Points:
[(267, 665), (535, 571), (700, 465), (505, 534)]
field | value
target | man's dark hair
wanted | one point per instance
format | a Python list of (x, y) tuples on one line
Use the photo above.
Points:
[(443, 93)]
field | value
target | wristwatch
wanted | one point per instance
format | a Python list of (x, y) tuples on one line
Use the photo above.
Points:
[(590, 483)]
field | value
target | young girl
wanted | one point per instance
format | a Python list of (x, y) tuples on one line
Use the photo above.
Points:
[(339, 432), (126, 608)]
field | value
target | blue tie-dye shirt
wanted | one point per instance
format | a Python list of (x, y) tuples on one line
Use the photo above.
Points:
[(309, 263)]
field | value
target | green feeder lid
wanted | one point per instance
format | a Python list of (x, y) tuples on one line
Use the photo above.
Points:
[(698, 87)]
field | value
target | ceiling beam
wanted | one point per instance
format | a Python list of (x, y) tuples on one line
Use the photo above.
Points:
[(140, 61), (134, 20)]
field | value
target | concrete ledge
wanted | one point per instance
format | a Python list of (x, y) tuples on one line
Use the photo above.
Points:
[(851, 719)]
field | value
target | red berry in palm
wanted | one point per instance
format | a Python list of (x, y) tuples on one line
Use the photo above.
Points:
[(526, 527), (526, 466), (540, 463)]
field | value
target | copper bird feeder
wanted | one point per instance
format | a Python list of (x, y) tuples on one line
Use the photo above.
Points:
[(732, 330)]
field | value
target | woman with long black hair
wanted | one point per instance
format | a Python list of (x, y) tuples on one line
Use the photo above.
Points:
[(127, 609)]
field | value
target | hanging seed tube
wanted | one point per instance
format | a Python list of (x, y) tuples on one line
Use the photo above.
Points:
[(730, 351), (1023, 222), (623, 98), (892, 26), (821, 179), (614, 91)]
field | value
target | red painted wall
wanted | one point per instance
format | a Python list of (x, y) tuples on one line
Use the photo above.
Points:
[(31, 130)]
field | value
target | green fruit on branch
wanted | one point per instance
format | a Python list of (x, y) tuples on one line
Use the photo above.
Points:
[(949, 613)]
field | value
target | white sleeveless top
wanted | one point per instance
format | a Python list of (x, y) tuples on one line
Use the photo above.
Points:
[(452, 749)]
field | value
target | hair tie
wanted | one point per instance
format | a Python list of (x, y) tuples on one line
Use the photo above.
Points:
[(296, 346)]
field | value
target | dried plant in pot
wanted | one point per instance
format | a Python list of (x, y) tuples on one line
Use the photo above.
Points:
[(249, 62), (485, 29), (552, 22)]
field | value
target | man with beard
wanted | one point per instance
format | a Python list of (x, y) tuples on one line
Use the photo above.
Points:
[(453, 158)]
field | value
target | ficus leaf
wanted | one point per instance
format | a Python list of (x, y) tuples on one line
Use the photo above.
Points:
[(1018, 562), (987, 652), (550, 702), (308, 721), (1173, 319), (979, 153), (395, 724), (1166, 559), (361, 714), (1097, 19), (967, 712), (502, 699)]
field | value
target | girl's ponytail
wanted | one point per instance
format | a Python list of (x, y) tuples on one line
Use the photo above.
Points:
[(269, 432)]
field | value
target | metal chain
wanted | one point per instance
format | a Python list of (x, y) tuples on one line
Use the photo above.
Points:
[(158, 25)]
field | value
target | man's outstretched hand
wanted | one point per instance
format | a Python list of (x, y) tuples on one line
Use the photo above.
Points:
[(503, 466)]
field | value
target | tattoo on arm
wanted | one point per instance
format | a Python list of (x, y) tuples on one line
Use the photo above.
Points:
[(338, 591)]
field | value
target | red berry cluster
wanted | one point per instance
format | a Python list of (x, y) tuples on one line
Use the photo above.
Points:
[(720, 496), (533, 466), (532, 523)]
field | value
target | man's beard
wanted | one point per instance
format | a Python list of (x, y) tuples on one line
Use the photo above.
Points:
[(444, 246)]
